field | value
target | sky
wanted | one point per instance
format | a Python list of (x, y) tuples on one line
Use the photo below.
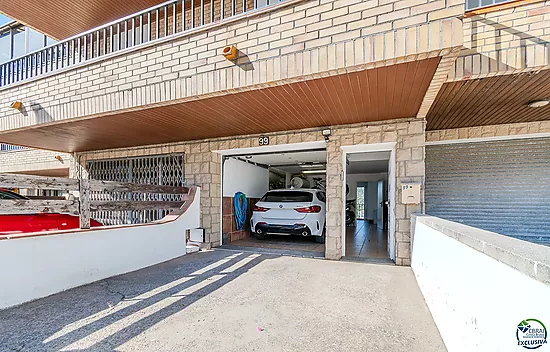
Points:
[(4, 19)]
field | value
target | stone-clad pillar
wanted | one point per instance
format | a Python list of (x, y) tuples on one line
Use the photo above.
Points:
[(410, 159), (203, 169), (333, 241), (409, 142)]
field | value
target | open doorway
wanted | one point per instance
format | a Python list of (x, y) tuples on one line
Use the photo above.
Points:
[(258, 176), (367, 211)]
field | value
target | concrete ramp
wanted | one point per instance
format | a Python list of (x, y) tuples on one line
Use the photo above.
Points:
[(227, 300)]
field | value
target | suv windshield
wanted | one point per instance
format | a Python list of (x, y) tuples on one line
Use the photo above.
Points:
[(287, 197)]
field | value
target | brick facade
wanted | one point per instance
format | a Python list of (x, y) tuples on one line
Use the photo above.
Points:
[(34, 160), (203, 168), (505, 41), (296, 41), (511, 129)]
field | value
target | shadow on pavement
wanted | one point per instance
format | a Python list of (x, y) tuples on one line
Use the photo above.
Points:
[(104, 315)]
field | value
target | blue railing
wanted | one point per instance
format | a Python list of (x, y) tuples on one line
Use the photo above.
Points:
[(155, 23), (8, 147)]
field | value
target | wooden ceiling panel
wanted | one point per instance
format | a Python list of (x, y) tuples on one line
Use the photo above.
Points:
[(47, 172), (383, 93), (490, 101), (61, 19)]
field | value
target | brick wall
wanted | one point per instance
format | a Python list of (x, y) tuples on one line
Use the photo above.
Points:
[(203, 168), (297, 41), (505, 41), (33, 160), (229, 228), (511, 129)]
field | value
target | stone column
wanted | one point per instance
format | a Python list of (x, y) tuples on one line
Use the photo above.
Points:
[(203, 169), (333, 241), (409, 138), (410, 157)]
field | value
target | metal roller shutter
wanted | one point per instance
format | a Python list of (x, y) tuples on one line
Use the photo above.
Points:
[(500, 186)]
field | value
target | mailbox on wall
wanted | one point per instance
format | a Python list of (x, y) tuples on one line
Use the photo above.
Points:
[(410, 193)]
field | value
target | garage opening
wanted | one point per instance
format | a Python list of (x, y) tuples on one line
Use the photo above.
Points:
[(275, 201), (367, 207)]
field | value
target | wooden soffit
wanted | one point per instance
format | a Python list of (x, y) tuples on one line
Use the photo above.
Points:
[(490, 101), (384, 93), (62, 19)]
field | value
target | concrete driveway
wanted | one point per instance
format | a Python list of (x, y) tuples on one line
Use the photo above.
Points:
[(232, 301)]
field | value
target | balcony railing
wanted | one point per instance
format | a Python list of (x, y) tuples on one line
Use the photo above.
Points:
[(145, 27), (8, 147)]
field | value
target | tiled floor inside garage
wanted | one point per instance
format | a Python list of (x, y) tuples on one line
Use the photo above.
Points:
[(298, 245), (364, 242)]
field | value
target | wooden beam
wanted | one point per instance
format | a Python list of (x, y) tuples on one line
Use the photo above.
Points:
[(110, 186), (106, 205), (25, 206), (84, 204), (38, 182)]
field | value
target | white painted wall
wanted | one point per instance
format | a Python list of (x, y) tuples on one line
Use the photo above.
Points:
[(476, 301), (239, 176), (353, 179), (371, 212), (35, 267), (372, 190)]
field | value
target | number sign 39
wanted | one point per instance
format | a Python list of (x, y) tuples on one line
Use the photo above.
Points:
[(263, 140)]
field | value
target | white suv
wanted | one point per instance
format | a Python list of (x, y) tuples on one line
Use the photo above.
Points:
[(290, 212)]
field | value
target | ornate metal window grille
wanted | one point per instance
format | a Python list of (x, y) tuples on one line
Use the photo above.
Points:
[(154, 170)]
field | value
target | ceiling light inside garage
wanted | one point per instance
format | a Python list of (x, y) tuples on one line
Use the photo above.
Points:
[(538, 103), (314, 171), (310, 165)]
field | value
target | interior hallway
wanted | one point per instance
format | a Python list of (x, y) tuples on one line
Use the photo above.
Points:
[(365, 240)]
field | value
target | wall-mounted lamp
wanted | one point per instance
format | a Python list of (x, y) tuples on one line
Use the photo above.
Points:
[(59, 158), (230, 52), (17, 105), (326, 133)]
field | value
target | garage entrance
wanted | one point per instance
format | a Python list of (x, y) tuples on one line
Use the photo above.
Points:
[(289, 221), (369, 219)]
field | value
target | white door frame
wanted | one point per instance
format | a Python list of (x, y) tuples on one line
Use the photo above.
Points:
[(277, 148), (366, 148)]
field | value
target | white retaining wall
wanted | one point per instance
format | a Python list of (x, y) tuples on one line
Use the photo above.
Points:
[(480, 285), (35, 267)]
